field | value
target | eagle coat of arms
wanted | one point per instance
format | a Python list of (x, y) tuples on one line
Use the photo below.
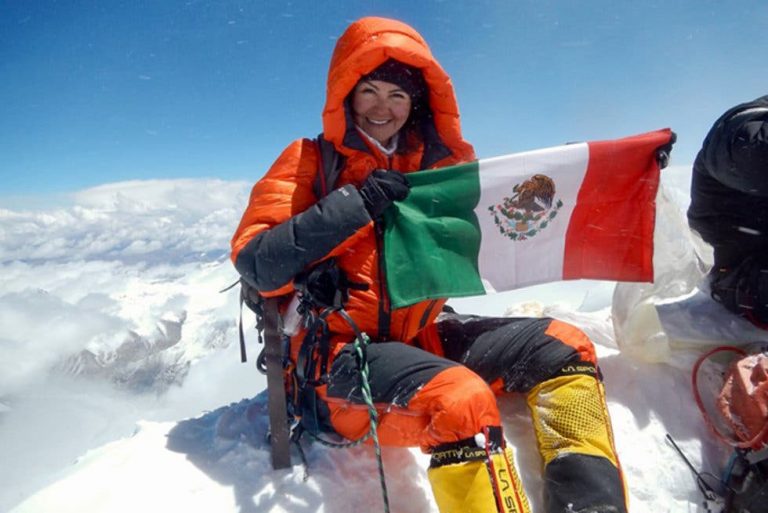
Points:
[(529, 210)]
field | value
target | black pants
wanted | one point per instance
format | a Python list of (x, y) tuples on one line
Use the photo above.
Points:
[(516, 350)]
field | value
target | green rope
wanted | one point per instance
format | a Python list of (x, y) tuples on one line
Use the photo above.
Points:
[(361, 340), (360, 343)]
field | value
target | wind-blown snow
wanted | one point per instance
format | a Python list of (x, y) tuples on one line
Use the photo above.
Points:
[(121, 387)]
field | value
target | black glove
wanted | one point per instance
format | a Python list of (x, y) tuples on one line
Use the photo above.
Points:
[(381, 188), (325, 285), (662, 152)]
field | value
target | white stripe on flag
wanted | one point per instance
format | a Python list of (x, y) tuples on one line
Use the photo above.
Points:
[(530, 259)]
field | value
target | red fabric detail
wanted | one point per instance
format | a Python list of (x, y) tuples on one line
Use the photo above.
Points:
[(492, 471), (498, 493), (610, 237), (743, 401)]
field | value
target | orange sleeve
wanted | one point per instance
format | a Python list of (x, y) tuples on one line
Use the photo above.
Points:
[(284, 191), (302, 228)]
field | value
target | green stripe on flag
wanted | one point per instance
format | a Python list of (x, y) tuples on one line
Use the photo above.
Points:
[(435, 227)]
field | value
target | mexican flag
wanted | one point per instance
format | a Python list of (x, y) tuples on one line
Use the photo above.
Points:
[(583, 210)]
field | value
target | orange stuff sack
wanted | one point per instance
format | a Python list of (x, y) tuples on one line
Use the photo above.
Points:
[(743, 400)]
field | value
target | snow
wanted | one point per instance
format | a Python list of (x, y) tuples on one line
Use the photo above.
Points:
[(121, 387)]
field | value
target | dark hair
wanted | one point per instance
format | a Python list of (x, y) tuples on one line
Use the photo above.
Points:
[(408, 78), (414, 130)]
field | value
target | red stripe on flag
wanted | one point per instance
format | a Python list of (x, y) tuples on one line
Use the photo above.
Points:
[(610, 235)]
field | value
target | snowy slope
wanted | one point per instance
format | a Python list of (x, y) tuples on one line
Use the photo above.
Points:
[(121, 387)]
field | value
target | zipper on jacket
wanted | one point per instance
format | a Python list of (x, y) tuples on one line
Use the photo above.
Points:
[(425, 315), (385, 312), (385, 316)]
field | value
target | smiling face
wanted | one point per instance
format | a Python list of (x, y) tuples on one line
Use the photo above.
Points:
[(380, 108)]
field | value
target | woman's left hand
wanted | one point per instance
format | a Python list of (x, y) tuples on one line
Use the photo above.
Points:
[(381, 188)]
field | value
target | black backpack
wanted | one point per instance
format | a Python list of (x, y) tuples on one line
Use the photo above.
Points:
[(272, 358), (330, 164)]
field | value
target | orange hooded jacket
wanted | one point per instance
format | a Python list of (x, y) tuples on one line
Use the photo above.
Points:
[(287, 188)]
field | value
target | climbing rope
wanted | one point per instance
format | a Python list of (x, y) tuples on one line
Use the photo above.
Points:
[(361, 341), (372, 413)]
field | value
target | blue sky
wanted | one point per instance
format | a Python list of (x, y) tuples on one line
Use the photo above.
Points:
[(99, 91)]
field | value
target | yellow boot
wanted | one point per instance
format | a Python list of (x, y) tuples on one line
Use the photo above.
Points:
[(466, 478), (573, 430)]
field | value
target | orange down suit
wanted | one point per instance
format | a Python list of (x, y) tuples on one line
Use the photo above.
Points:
[(287, 229)]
